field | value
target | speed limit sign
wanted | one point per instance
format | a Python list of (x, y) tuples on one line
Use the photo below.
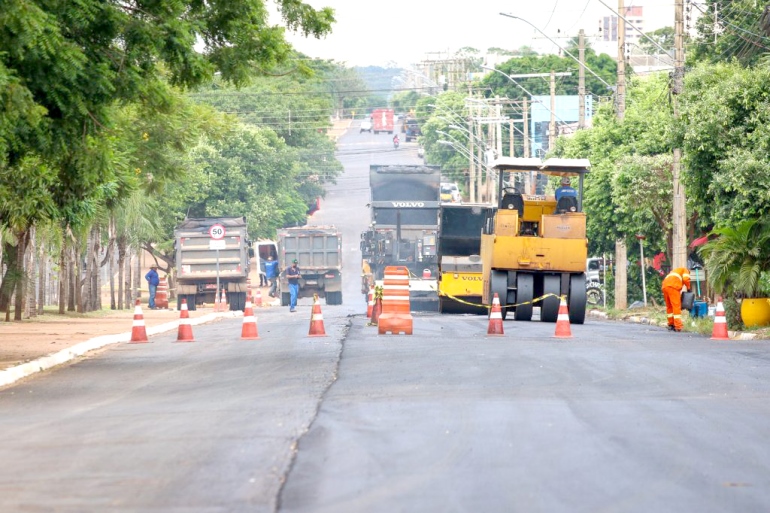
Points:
[(217, 232)]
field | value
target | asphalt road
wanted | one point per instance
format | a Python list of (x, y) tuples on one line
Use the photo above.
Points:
[(618, 418)]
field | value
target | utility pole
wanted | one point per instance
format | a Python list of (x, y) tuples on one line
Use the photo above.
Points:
[(582, 80), (480, 157), (620, 93), (510, 138), (621, 250), (525, 116), (471, 164), (552, 124), (679, 234), (529, 185)]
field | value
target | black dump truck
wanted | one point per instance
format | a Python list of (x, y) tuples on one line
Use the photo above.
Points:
[(404, 227)]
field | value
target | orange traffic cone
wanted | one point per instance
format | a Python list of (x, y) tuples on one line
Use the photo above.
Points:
[(370, 303), (316, 320), (184, 334), (495, 318), (216, 301), (720, 323), (562, 321), (223, 303), (249, 329), (138, 330), (258, 297)]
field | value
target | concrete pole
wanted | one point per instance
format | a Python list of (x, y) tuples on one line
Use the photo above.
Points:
[(582, 80), (471, 164), (679, 234), (620, 93), (621, 250), (529, 186), (480, 156), (552, 123), (525, 115)]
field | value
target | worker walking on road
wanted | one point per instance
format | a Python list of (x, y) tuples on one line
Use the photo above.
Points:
[(153, 280), (271, 273), (293, 276), (677, 281)]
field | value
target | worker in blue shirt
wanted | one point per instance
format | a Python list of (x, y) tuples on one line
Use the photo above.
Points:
[(153, 280), (565, 190), (271, 273), (293, 276)]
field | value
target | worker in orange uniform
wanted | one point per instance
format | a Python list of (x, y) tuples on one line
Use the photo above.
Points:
[(677, 281)]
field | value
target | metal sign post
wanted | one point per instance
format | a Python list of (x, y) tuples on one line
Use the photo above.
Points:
[(217, 242)]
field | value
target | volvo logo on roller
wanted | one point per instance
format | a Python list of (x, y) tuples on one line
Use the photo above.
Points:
[(408, 204)]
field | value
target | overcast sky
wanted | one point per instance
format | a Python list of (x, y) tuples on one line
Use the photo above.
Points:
[(403, 32)]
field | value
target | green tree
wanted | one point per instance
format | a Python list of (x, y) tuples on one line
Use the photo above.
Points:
[(662, 37), (631, 167), (731, 30), (725, 134), (72, 63), (603, 65)]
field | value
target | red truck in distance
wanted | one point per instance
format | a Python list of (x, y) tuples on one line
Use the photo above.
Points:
[(383, 120)]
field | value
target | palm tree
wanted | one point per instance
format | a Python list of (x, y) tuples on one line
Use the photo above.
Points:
[(737, 258)]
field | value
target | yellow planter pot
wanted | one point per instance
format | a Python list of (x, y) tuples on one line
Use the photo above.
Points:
[(755, 312)]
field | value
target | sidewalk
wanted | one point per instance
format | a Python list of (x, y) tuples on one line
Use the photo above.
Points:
[(33, 345)]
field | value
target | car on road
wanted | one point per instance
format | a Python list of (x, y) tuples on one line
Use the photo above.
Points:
[(366, 126), (450, 193)]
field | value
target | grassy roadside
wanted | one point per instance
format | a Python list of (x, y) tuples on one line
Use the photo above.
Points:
[(657, 316)]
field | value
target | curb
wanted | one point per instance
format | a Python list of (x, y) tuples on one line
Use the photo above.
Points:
[(733, 335), (13, 374)]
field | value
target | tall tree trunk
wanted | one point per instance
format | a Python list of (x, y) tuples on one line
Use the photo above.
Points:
[(129, 277), (121, 241), (9, 279), (30, 264), (75, 269), (111, 262), (63, 276), (138, 273), (87, 275), (21, 246), (42, 274), (95, 302)]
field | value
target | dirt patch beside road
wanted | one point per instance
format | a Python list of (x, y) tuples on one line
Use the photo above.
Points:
[(30, 339), (49, 333)]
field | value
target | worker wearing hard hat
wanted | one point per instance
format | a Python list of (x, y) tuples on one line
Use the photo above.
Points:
[(565, 190)]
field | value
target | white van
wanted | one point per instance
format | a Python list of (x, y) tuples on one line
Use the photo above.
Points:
[(263, 249)]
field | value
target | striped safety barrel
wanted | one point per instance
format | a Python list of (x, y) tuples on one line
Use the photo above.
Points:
[(396, 315)]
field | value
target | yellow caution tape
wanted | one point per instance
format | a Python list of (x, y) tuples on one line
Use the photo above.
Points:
[(481, 305)]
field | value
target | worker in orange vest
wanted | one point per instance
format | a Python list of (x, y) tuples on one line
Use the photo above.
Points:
[(677, 281)]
